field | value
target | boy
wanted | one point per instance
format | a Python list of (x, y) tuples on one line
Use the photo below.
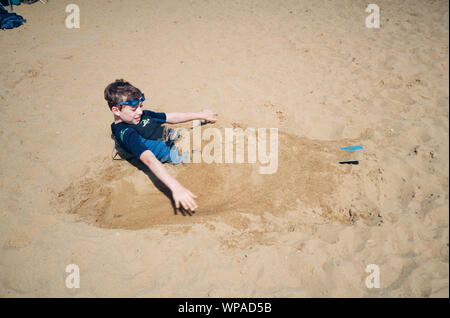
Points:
[(140, 133)]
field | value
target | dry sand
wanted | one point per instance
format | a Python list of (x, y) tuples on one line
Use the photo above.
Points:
[(310, 68)]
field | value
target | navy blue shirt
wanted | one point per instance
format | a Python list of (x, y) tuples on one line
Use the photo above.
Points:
[(148, 127)]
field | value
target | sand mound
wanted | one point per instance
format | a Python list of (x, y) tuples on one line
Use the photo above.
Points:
[(121, 195)]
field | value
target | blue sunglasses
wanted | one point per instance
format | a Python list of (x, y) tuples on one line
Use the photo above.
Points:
[(134, 101)]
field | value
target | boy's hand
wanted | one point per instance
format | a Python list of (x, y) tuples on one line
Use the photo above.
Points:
[(183, 196), (209, 115)]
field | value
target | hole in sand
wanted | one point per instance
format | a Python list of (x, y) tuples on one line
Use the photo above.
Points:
[(309, 178)]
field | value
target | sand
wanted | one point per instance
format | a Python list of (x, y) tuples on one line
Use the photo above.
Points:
[(309, 68)]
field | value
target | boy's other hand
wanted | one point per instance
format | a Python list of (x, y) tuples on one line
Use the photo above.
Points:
[(183, 196), (209, 115)]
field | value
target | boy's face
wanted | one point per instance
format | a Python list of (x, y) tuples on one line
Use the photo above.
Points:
[(129, 114)]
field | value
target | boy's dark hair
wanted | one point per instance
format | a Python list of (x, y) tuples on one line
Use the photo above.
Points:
[(120, 91)]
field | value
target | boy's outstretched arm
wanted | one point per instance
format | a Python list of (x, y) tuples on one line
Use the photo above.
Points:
[(175, 118), (180, 194)]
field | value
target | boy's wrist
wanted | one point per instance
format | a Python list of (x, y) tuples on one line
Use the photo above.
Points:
[(201, 116), (174, 185)]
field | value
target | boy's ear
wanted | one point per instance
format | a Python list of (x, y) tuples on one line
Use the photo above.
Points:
[(115, 110)]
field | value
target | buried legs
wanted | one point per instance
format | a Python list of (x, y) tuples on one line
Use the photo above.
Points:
[(164, 151)]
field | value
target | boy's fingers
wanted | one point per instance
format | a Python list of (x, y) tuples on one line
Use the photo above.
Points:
[(192, 199), (187, 204), (180, 204), (187, 207), (192, 204), (192, 195)]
